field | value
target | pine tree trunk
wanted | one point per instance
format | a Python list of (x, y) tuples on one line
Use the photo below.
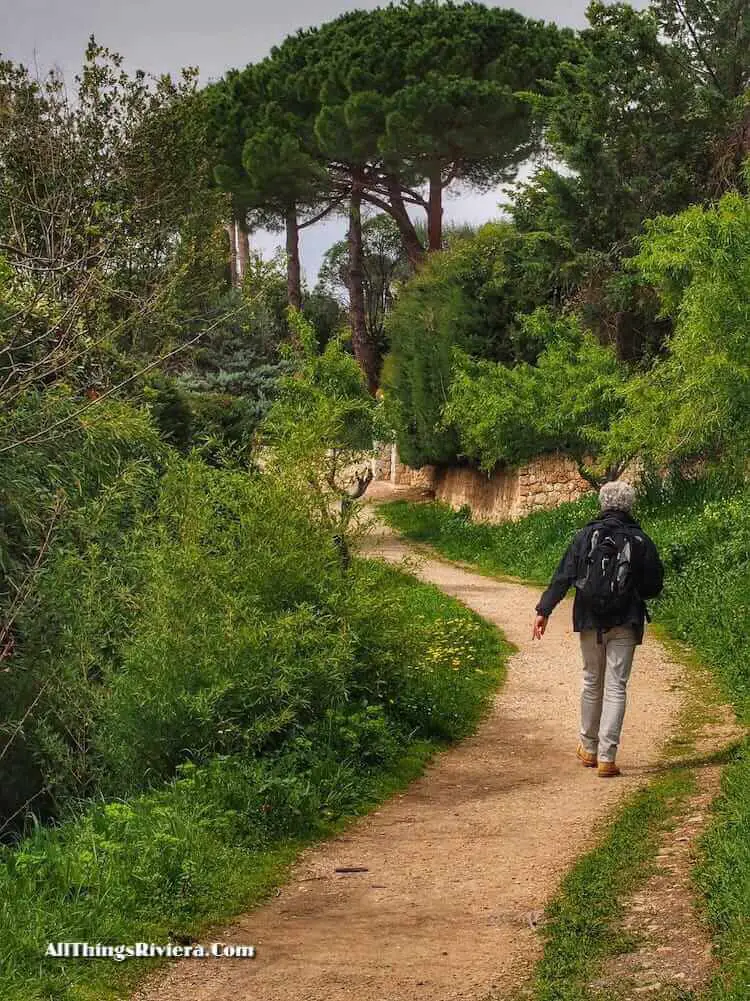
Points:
[(293, 269), (232, 233), (364, 350), (435, 210), (412, 245), (243, 249)]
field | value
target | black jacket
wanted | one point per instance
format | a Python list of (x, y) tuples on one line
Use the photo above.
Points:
[(647, 570)]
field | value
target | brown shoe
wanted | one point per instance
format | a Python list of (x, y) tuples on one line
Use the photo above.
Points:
[(608, 770), (589, 760)]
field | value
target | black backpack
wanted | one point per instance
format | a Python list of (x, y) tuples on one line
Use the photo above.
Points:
[(606, 578)]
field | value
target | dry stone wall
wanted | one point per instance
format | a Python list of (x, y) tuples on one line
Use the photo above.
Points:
[(506, 494), (549, 480)]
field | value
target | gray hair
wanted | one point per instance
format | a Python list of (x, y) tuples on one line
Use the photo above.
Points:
[(618, 495)]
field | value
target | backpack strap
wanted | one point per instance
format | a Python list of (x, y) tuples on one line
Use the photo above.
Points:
[(584, 565)]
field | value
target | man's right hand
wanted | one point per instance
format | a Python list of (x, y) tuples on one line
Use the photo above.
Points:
[(540, 624)]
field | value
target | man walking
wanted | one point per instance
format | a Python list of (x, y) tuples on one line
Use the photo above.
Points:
[(615, 567)]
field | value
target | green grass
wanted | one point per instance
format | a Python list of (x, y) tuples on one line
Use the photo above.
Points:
[(218, 837), (529, 548), (581, 929), (723, 874), (702, 530)]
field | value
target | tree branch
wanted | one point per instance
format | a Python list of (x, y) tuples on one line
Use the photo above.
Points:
[(320, 215), (39, 435), (696, 42)]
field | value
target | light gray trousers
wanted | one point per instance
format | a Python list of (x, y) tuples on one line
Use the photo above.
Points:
[(606, 670)]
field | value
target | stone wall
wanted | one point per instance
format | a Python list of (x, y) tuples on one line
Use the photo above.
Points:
[(545, 482), (403, 475), (549, 480), (382, 461)]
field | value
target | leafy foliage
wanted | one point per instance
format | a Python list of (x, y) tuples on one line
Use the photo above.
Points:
[(69, 558), (379, 102), (198, 848), (108, 225), (612, 117), (648, 118), (696, 400), (469, 298), (570, 398)]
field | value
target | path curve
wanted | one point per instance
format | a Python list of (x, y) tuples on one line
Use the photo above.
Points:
[(461, 862)]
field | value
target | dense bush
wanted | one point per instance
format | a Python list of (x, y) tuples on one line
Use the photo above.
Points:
[(696, 400), (568, 399), (52, 449), (222, 395), (219, 425), (423, 333), (74, 532), (197, 643), (202, 613), (405, 667), (241, 620), (467, 297), (544, 383), (125, 563)]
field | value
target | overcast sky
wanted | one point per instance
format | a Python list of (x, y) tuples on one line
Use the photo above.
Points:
[(164, 35)]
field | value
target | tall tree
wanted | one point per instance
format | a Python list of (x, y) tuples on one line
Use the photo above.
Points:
[(624, 119), (350, 149), (431, 92), (643, 117), (384, 265), (109, 229), (268, 159), (390, 107), (714, 41), (422, 95), (365, 349), (458, 114), (647, 120)]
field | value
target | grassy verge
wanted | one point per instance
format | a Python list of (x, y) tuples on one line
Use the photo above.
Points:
[(529, 548), (582, 920), (703, 532), (723, 874), (219, 836), (583, 927)]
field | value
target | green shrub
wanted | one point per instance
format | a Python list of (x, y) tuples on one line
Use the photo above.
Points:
[(467, 297), (696, 400), (69, 636), (65, 457), (569, 399), (240, 621), (198, 612), (213, 839), (71, 526)]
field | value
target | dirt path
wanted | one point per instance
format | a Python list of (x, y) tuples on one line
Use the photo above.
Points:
[(459, 864)]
